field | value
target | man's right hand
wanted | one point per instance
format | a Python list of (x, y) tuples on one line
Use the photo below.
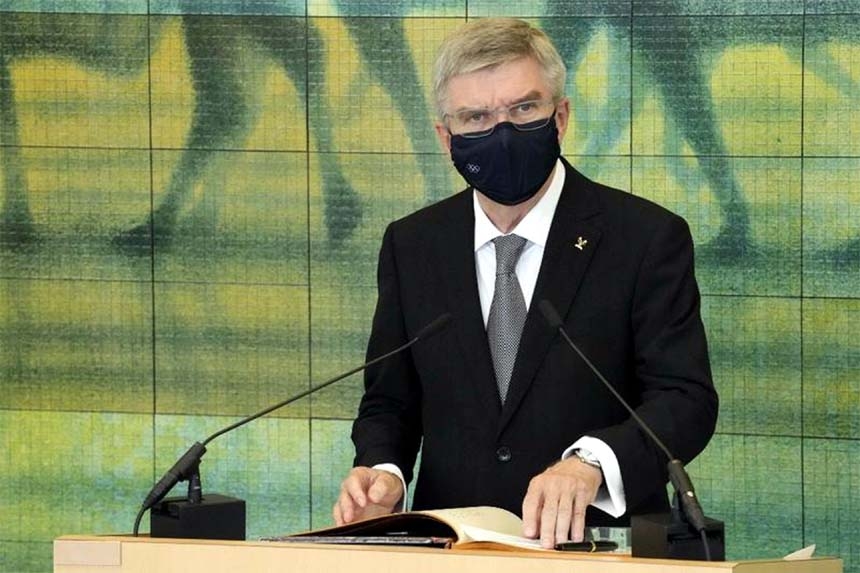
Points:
[(365, 493)]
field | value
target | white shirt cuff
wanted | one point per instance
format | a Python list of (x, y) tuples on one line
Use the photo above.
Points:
[(610, 497), (393, 469)]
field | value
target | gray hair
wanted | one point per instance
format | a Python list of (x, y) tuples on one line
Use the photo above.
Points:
[(490, 42)]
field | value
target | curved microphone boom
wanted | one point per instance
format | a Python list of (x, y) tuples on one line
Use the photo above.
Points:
[(186, 467), (681, 481)]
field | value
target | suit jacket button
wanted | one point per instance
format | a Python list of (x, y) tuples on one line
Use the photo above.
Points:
[(503, 454)]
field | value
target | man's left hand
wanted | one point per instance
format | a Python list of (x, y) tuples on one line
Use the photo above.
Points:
[(555, 504)]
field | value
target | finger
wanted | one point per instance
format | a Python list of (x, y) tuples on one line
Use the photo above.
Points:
[(347, 508), (350, 508), (531, 512), (577, 528), (548, 520), (564, 516), (380, 490), (337, 514), (354, 486)]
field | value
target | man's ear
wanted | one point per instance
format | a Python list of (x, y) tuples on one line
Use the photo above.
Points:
[(444, 137), (562, 116)]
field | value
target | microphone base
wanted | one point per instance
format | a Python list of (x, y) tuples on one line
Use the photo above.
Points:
[(663, 536), (215, 517)]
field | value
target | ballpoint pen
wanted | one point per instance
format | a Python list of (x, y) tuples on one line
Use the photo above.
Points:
[(587, 546)]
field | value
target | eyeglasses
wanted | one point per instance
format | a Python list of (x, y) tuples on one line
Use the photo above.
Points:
[(524, 116)]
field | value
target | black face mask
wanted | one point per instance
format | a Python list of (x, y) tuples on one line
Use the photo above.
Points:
[(510, 165)]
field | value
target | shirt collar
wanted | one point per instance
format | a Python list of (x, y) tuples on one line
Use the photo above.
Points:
[(534, 227)]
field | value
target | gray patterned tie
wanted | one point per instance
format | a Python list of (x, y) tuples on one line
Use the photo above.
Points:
[(507, 312)]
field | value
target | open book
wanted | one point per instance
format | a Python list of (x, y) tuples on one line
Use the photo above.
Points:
[(464, 528)]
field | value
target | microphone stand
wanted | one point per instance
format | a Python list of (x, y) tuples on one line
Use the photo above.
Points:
[(216, 516), (661, 535)]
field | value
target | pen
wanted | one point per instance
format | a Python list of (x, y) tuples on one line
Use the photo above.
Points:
[(587, 546)]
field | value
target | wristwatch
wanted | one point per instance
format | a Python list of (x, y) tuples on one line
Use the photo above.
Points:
[(587, 457)]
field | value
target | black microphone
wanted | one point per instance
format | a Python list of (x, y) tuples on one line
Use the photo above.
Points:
[(684, 492), (186, 467)]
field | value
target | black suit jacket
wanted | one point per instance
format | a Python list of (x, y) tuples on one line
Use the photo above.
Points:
[(628, 298)]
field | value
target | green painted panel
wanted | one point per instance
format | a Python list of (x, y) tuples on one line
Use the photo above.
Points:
[(76, 6), (370, 83), (690, 73), (831, 233), (754, 484), (339, 334), (831, 478), (71, 473), (245, 7), (269, 142), (831, 110), (266, 463), (229, 82), (755, 350), (67, 210), (346, 228), (331, 458), (548, 9), (75, 345), (230, 349), (831, 361), (832, 6), (612, 170), (597, 55), (746, 243), (724, 8), (79, 79), (26, 556), (244, 222), (389, 8)]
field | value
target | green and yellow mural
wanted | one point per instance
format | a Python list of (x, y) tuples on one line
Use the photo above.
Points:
[(193, 193)]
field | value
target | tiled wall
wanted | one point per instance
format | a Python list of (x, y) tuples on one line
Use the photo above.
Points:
[(194, 192)]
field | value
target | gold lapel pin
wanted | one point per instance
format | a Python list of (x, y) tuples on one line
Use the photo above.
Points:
[(580, 243)]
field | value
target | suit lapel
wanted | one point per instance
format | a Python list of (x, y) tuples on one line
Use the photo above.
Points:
[(573, 239), (457, 255)]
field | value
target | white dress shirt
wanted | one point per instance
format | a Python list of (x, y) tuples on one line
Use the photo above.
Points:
[(534, 227)]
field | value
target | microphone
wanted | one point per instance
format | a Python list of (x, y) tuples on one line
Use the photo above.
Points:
[(186, 467), (691, 510)]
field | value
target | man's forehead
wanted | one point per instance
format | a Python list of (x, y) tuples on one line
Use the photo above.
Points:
[(482, 103), (506, 84)]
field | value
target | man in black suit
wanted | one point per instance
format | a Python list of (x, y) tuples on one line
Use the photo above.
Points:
[(504, 412)]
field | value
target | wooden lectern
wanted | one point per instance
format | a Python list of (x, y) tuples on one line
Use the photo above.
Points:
[(121, 554)]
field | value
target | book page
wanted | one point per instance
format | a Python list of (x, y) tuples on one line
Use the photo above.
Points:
[(479, 535), (485, 518), (447, 523)]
